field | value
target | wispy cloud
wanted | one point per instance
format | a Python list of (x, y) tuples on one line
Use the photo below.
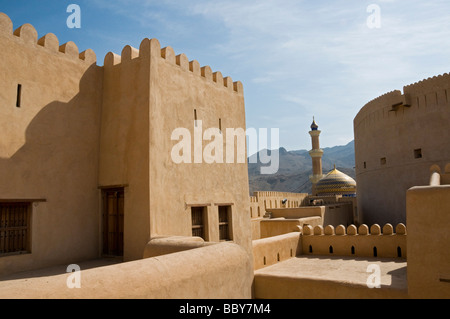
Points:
[(317, 56)]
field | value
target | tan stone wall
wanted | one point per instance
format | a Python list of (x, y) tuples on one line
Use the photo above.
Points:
[(286, 220), (124, 148), (386, 128), (287, 286), (355, 242), (299, 212), (428, 216), (280, 226), (81, 126), (338, 214), (160, 246), (257, 209), (256, 228), (269, 251), (262, 202), (178, 90), (221, 271), (268, 200), (49, 148), (150, 92)]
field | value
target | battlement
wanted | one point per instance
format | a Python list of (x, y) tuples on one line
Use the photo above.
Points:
[(388, 95), (352, 230), (438, 177), (356, 242), (419, 97), (152, 47), (430, 80), (261, 194), (29, 36)]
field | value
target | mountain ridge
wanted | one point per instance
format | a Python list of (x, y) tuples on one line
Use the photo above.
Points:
[(295, 167)]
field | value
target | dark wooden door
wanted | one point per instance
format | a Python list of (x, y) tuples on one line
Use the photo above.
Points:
[(113, 213)]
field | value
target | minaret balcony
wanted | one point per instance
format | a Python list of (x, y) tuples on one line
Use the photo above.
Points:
[(315, 133), (316, 153)]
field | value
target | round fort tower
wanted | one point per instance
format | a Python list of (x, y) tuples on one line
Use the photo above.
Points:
[(399, 136)]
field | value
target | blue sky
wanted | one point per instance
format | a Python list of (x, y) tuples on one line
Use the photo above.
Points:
[(296, 58)]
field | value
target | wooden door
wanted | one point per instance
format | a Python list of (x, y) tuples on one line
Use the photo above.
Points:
[(113, 221)]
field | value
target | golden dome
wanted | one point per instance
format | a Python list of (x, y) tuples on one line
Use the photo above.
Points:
[(336, 183)]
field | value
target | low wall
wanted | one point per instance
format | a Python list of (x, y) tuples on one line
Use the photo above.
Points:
[(221, 271), (355, 242), (261, 202), (332, 214), (159, 246), (256, 228), (269, 251), (298, 212), (288, 286), (279, 226), (428, 215), (338, 214)]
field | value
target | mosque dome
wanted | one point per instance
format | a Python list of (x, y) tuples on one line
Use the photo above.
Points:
[(336, 183)]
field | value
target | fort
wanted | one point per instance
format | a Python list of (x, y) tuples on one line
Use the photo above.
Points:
[(399, 136), (214, 151), (88, 178)]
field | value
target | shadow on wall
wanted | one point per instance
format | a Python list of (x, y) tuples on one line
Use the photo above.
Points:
[(58, 163)]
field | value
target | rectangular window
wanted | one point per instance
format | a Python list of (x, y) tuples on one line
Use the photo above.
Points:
[(225, 223), (383, 161), (418, 153), (195, 117), (19, 95), (365, 165), (15, 219), (198, 222)]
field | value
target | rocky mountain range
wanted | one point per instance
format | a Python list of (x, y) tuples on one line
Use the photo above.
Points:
[(295, 167)]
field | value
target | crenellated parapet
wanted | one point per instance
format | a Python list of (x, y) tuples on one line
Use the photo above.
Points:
[(417, 97), (152, 47), (392, 95), (355, 241), (28, 35), (429, 83), (262, 201)]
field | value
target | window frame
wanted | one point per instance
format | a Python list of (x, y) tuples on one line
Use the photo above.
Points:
[(19, 247), (225, 223)]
